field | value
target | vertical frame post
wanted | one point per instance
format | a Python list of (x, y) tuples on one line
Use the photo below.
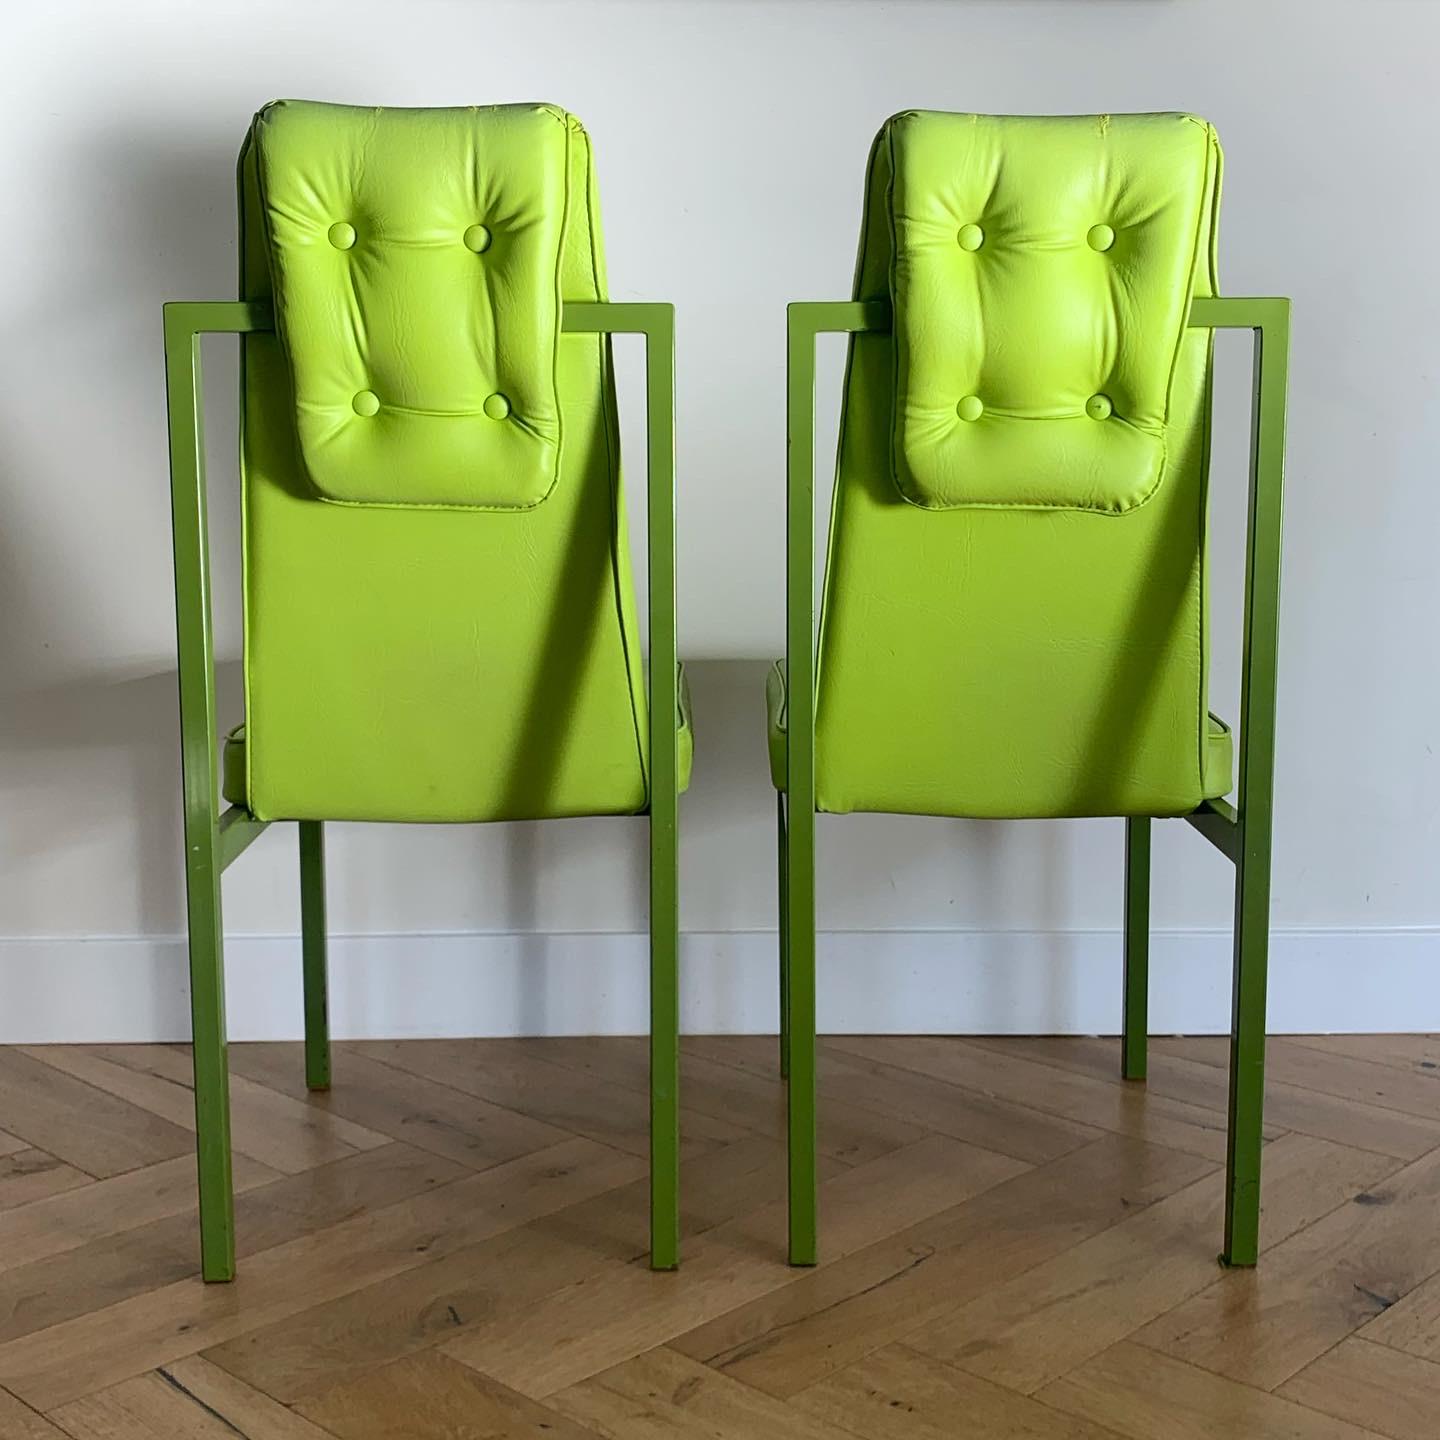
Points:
[(664, 794), (804, 322), (799, 886), (657, 323), (199, 764), (313, 957), (1255, 788), (782, 930), (1135, 1031)]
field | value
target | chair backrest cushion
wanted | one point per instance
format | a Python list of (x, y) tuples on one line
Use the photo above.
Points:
[(1014, 616), (415, 259), (1041, 278), (455, 640)]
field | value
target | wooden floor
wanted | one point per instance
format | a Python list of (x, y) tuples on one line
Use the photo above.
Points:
[(451, 1243)]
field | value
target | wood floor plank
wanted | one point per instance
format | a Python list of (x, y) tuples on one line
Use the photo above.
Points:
[(1318, 1286), (1052, 1318), (504, 1073), (393, 1102), (19, 1422), (1407, 1133), (619, 1059), (1349, 1077), (1212, 1050), (1079, 1098), (346, 1339), (30, 1175), (1014, 1242), (107, 1208), (66, 1361), (339, 1341), (610, 1317), (112, 1268), (94, 1131), (1372, 1385), (898, 1394), (1405, 1052), (1147, 1396), (663, 1395), (750, 1052), (744, 1097), (431, 1397), (989, 1121), (286, 1134), (848, 1079), (834, 1315), (189, 1400), (1192, 1081), (1412, 1324)]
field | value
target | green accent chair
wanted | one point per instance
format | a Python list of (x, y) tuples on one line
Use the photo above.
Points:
[(439, 618), (1014, 611)]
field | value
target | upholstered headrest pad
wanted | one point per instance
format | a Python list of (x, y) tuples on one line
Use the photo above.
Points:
[(1041, 278), (415, 261)]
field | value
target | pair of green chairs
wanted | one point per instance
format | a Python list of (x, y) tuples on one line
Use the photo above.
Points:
[(438, 612)]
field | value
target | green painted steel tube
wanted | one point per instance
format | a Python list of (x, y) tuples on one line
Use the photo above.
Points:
[(313, 957), (1135, 1031), (199, 760), (782, 931), (1255, 790), (211, 844)]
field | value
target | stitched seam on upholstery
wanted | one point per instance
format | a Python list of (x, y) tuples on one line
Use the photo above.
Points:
[(1203, 599), (892, 278), (462, 506), (241, 410), (782, 718), (559, 292), (610, 425), (883, 138), (1205, 197), (1214, 188)]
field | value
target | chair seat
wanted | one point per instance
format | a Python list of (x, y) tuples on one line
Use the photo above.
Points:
[(1218, 759), (233, 768)]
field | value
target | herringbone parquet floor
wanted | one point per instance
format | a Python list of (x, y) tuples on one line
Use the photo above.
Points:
[(451, 1243)]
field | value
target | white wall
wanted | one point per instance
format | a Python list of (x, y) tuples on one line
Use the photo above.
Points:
[(731, 140)]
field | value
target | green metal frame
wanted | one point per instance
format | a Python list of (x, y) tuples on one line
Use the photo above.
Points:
[(1240, 832), (213, 840)]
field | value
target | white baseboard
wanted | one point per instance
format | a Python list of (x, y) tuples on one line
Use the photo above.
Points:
[(895, 982)]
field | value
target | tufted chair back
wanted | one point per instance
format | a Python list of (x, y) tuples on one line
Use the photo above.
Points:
[(1014, 617), (439, 619), (421, 340)]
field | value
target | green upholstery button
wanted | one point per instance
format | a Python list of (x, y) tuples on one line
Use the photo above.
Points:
[(970, 408), (366, 402), (477, 238), (342, 236), (497, 407), (971, 237), (1100, 237), (1098, 407)]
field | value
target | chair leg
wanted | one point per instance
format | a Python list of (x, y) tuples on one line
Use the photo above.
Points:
[(1247, 1056), (312, 943), (800, 1021), (212, 1073), (664, 1042), (783, 929), (1136, 1027)]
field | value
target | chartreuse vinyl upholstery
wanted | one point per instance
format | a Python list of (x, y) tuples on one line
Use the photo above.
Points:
[(1014, 613), (439, 615)]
